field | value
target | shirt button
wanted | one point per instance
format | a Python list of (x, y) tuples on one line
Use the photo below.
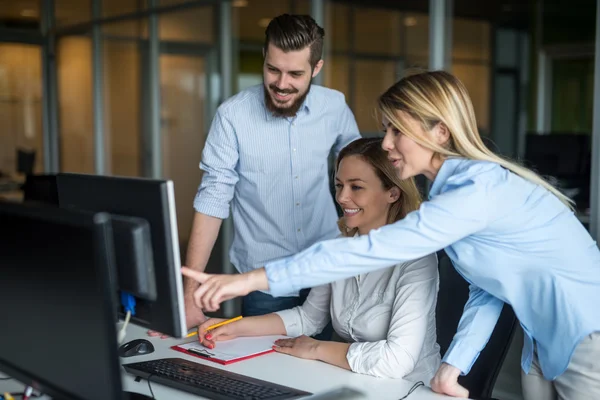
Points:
[(296, 177), (297, 204), (298, 229), (294, 149)]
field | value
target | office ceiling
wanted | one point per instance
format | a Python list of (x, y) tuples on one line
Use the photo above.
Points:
[(516, 13)]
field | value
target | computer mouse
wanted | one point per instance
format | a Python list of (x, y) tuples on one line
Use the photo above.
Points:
[(136, 347)]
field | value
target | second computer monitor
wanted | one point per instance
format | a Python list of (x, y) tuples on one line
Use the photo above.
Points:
[(154, 201), (57, 302)]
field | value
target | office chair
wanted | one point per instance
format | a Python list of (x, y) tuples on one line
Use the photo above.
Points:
[(452, 296)]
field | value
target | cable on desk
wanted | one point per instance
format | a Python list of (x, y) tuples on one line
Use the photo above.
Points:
[(412, 389), (128, 302), (150, 387)]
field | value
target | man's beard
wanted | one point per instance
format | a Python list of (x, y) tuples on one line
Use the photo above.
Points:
[(290, 111)]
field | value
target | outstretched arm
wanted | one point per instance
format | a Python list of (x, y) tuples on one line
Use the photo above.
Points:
[(440, 222)]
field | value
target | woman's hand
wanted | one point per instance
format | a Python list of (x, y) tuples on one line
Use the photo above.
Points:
[(301, 347), (210, 337), (215, 289), (445, 381)]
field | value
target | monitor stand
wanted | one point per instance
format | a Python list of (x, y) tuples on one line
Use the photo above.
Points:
[(136, 396)]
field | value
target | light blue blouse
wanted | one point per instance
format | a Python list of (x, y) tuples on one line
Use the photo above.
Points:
[(512, 240)]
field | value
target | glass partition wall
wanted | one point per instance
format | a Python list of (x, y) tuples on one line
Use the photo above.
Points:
[(136, 82), (122, 82)]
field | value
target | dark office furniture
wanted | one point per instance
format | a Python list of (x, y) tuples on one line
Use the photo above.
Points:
[(25, 161), (557, 154), (41, 189), (564, 159), (452, 296)]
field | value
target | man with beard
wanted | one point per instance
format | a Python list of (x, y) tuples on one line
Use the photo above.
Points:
[(267, 154)]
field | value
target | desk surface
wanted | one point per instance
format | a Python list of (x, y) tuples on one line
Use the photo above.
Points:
[(308, 375)]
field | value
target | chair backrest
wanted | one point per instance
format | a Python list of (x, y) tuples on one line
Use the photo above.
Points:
[(452, 296)]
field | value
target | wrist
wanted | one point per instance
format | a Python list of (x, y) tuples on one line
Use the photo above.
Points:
[(451, 371), (319, 349), (257, 280)]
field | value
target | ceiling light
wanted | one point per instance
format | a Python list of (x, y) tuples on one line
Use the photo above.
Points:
[(410, 21), (240, 3), (264, 22)]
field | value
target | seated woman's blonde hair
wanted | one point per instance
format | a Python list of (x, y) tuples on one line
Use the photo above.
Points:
[(370, 151)]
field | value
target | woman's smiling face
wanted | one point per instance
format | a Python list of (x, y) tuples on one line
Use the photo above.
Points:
[(361, 195)]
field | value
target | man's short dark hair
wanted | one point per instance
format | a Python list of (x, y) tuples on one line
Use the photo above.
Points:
[(296, 32)]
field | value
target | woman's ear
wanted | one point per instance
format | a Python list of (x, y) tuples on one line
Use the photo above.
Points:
[(394, 194), (441, 133)]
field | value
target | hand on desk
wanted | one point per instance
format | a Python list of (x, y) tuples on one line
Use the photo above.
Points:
[(215, 289), (301, 347), (445, 381)]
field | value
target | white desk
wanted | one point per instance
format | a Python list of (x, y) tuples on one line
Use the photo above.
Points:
[(307, 375)]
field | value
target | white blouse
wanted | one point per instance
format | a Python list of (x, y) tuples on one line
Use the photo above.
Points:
[(388, 315)]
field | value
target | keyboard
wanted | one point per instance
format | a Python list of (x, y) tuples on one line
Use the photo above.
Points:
[(209, 382)]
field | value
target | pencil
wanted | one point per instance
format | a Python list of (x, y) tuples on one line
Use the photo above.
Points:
[(216, 325)]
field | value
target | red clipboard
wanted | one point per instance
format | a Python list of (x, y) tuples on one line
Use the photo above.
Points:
[(217, 360)]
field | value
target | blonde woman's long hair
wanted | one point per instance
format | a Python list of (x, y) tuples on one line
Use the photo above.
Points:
[(370, 150), (437, 96)]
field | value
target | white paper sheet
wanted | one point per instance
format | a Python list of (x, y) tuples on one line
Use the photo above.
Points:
[(231, 350)]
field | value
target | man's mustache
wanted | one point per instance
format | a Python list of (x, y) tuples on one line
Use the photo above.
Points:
[(284, 91)]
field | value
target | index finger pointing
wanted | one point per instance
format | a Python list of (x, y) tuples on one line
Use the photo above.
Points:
[(200, 277)]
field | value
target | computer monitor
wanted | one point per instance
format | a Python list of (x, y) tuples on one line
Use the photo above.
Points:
[(58, 301), (133, 252), (134, 259), (154, 201)]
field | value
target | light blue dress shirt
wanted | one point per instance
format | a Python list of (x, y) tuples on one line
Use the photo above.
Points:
[(512, 240), (274, 173)]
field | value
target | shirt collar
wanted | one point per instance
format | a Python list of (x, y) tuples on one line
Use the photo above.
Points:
[(306, 106), (446, 171)]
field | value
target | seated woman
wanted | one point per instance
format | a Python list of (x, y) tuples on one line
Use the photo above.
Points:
[(386, 317)]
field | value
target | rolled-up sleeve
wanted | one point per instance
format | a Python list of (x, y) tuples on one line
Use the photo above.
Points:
[(219, 160), (413, 307), (311, 317)]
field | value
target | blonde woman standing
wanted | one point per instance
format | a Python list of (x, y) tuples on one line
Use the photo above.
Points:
[(508, 232)]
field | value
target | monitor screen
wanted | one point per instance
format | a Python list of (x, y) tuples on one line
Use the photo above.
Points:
[(58, 302), (154, 201)]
